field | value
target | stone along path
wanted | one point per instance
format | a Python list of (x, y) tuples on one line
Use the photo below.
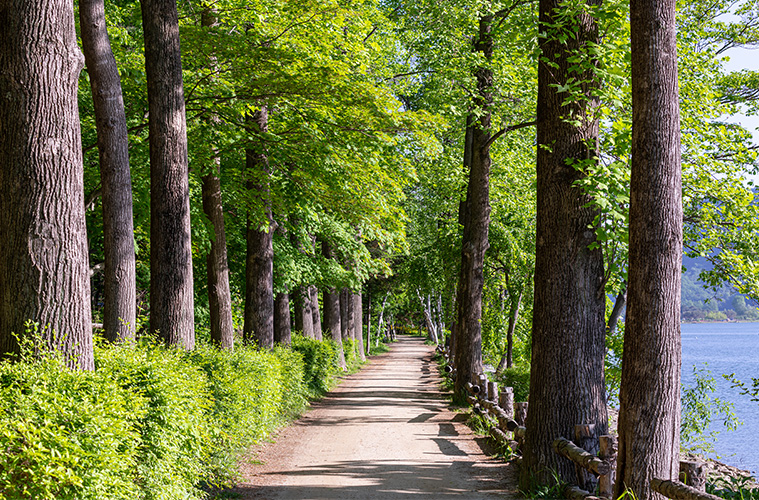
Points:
[(386, 432)]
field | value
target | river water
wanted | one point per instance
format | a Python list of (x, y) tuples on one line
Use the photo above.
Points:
[(728, 348)]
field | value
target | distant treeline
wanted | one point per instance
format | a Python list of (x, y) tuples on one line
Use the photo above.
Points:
[(703, 304)]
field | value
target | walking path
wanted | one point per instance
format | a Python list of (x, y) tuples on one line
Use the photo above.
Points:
[(386, 432)]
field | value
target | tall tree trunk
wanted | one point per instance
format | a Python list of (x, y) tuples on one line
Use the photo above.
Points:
[(616, 312), (431, 333), (304, 318), (171, 287), (120, 285), (259, 267), (331, 300), (569, 307), (477, 219), (346, 322), (358, 325), (282, 327), (317, 320), (217, 267), (649, 416), (44, 268), (369, 324), (507, 360)]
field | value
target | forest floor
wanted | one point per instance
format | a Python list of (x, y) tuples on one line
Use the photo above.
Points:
[(385, 432)]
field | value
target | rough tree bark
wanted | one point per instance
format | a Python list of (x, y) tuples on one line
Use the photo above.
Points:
[(44, 271), (649, 417), (468, 343), (259, 268), (331, 300), (171, 290), (317, 320), (304, 318), (358, 324), (568, 344), (282, 326), (217, 267), (120, 285)]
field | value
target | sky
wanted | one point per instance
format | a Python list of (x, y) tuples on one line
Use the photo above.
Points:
[(744, 59)]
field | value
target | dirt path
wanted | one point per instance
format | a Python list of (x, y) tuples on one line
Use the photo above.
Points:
[(386, 432)]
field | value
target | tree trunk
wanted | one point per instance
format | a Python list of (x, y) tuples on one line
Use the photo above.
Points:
[(44, 269), (317, 320), (171, 286), (120, 285), (332, 323), (346, 322), (649, 416), (507, 360), (217, 268), (569, 307), (476, 222), (282, 327), (259, 267), (616, 311), (304, 316), (358, 325), (431, 333)]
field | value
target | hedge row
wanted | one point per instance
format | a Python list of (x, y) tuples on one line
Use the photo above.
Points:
[(150, 422)]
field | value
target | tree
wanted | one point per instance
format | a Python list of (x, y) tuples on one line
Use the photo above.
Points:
[(217, 268), (44, 271), (119, 316), (259, 267), (331, 300), (476, 221), (171, 285), (649, 433), (568, 344)]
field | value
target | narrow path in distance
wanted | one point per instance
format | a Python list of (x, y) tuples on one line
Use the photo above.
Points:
[(385, 432)]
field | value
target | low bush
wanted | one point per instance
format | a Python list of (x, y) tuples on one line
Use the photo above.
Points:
[(517, 377), (150, 422)]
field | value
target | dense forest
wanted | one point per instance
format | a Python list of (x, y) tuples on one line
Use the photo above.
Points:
[(517, 178)]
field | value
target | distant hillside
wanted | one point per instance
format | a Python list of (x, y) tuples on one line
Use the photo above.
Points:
[(700, 304)]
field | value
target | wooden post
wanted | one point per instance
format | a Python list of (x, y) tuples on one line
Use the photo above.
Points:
[(678, 491), (585, 438), (506, 401), (520, 413), (493, 391), (607, 453), (693, 473)]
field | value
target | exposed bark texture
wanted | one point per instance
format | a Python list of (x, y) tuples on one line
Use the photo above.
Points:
[(304, 318), (358, 324), (44, 268), (217, 267), (282, 326), (171, 290), (120, 286), (468, 357), (649, 417), (331, 299), (314, 295), (346, 314), (568, 322), (259, 267), (616, 313)]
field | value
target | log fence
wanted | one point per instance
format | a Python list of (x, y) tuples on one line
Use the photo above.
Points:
[(595, 458)]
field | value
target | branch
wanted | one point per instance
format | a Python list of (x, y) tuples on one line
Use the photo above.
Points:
[(511, 128)]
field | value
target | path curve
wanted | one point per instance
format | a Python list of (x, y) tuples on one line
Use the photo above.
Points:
[(385, 432)]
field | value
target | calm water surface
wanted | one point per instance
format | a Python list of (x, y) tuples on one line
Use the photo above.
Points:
[(728, 348)]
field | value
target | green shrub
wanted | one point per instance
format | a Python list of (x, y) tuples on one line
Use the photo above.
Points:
[(517, 377), (175, 429), (66, 434), (320, 359), (150, 422)]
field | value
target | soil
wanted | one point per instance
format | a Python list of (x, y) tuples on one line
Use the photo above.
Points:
[(385, 432)]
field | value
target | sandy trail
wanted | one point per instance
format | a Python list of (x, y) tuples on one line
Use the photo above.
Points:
[(386, 432)]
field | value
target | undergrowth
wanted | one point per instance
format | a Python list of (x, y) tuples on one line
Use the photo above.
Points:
[(150, 422)]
